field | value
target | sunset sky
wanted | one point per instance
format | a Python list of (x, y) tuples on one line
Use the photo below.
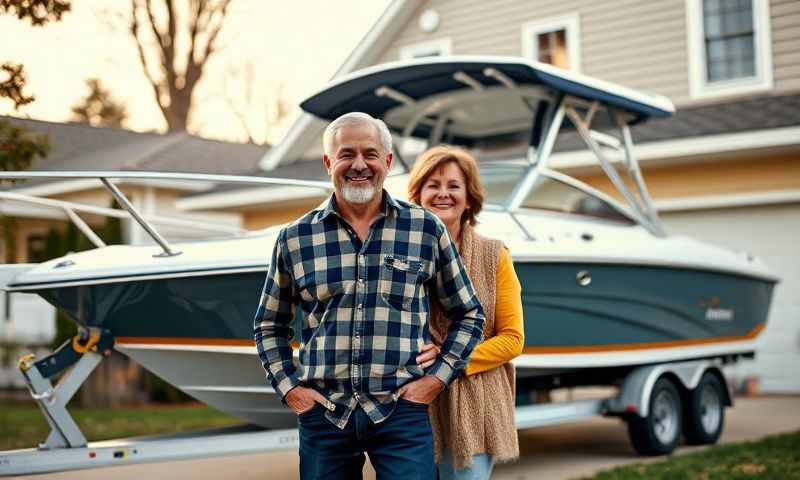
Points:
[(292, 49)]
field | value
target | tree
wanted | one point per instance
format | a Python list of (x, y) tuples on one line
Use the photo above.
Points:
[(185, 38), (99, 108), (38, 12), (18, 149), (12, 87)]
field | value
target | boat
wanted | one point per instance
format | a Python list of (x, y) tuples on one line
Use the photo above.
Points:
[(605, 287)]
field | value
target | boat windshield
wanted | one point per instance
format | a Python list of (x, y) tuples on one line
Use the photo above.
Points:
[(548, 194)]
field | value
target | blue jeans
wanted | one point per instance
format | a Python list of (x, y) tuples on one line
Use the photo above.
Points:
[(481, 468), (400, 447)]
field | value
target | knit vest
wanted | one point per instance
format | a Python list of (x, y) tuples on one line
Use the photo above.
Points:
[(475, 414)]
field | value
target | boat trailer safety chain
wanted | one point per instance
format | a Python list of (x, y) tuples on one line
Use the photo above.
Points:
[(90, 343)]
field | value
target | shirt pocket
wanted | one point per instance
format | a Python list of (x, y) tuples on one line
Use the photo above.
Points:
[(399, 281)]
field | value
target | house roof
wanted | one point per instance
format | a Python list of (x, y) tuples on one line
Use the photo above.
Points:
[(731, 117), (81, 147)]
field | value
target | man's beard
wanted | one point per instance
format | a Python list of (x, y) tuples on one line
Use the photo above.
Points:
[(358, 195), (361, 194)]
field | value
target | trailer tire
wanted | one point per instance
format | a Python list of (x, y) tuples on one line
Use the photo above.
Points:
[(705, 411), (658, 433)]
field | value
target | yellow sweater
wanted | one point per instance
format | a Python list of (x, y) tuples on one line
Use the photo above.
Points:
[(509, 335)]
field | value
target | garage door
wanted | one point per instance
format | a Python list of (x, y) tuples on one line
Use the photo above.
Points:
[(773, 234)]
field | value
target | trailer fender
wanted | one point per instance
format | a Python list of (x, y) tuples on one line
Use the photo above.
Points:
[(634, 394)]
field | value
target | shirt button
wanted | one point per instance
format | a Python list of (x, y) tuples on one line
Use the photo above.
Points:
[(360, 306), (361, 281)]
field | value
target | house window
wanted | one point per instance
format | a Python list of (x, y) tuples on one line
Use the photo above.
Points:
[(433, 48), (554, 41), (728, 29), (729, 47)]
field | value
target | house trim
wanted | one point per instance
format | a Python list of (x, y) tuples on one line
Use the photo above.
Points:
[(442, 46), (762, 38), (570, 23), (249, 196), (20, 210), (731, 200)]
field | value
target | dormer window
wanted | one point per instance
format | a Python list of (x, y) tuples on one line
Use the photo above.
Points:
[(554, 41)]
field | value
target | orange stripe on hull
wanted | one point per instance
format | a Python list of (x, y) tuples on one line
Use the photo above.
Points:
[(644, 346), (221, 342), (241, 342)]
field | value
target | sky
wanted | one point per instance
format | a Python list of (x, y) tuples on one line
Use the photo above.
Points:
[(291, 51)]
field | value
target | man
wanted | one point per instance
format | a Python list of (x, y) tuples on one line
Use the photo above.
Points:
[(363, 269)]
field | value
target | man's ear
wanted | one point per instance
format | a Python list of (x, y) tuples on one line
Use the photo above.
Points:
[(327, 162), (389, 159)]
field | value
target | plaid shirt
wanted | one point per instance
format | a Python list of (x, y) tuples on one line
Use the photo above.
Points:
[(364, 307)]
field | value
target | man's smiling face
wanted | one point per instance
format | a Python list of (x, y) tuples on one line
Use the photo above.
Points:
[(357, 163)]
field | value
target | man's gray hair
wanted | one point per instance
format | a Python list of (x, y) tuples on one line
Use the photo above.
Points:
[(356, 118)]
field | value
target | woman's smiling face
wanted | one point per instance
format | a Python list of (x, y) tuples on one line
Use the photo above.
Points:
[(445, 194)]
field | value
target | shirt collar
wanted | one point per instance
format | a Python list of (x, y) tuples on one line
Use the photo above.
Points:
[(329, 206)]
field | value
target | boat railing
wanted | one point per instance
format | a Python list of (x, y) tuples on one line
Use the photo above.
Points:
[(128, 209), (549, 109)]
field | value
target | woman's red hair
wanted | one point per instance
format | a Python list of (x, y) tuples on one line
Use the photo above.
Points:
[(437, 157)]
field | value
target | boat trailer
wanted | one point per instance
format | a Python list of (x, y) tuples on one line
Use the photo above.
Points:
[(639, 401)]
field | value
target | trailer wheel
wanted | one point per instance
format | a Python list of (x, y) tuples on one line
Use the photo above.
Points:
[(659, 432), (705, 412)]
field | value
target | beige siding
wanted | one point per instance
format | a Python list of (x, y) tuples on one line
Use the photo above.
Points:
[(761, 174), (639, 44), (785, 20), (608, 41), (277, 214)]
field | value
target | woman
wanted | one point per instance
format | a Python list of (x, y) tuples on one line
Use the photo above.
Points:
[(473, 419)]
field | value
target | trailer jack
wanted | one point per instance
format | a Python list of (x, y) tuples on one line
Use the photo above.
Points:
[(83, 352)]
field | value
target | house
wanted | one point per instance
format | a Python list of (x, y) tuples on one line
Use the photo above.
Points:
[(725, 168)]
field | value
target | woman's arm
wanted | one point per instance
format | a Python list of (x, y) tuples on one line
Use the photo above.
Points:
[(509, 335)]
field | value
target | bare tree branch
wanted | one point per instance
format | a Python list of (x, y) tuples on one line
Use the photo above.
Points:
[(240, 113), (181, 66), (213, 35), (143, 58)]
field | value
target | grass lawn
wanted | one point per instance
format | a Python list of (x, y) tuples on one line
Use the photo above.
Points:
[(22, 424), (773, 458)]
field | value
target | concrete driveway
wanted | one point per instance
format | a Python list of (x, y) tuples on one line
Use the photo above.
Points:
[(552, 453)]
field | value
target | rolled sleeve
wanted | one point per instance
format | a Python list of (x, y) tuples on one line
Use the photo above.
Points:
[(273, 323)]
